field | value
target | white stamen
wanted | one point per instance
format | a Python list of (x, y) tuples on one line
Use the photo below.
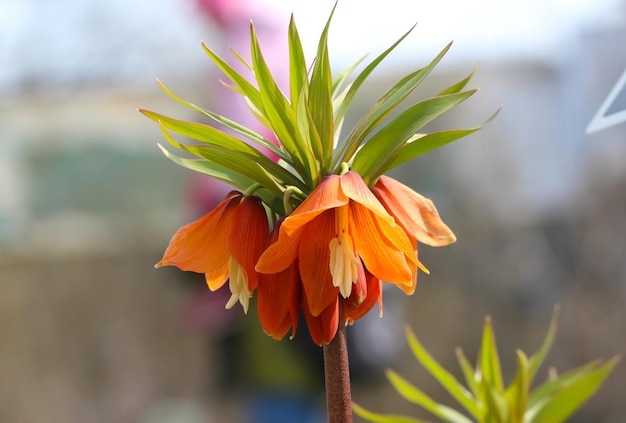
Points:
[(238, 284)]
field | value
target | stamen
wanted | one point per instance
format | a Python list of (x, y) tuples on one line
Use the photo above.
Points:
[(238, 284), (343, 261)]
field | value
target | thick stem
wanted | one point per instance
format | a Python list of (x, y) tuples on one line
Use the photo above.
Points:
[(337, 372)]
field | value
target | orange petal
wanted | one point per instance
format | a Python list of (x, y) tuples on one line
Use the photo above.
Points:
[(249, 237), (326, 196), (278, 302), (414, 212), (280, 254), (216, 279), (323, 327), (355, 189), (381, 258), (314, 258), (201, 246), (353, 310)]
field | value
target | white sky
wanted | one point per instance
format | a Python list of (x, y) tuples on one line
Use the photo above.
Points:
[(500, 26), (69, 41)]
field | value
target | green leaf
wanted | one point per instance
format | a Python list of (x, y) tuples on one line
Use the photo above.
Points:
[(537, 359), (215, 137), (383, 145), (570, 397), (516, 394), (214, 170), (235, 127), (233, 160), (548, 388), (320, 97), (459, 85), (497, 410), (242, 84), (413, 394), (282, 117), (423, 143), (383, 418), (298, 75), (383, 107), (489, 360), (449, 382), (468, 373), (341, 78), (307, 127)]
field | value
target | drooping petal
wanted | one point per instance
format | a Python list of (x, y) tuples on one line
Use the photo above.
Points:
[(385, 261), (415, 213), (353, 310), (314, 258), (278, 301), (355, 189), (216, 279), (322, 327), (201, 246), (249, 237), (280, 254), (326, 196)]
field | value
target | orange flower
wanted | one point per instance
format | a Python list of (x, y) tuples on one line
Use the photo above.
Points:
[(224, 244), (344, 242)]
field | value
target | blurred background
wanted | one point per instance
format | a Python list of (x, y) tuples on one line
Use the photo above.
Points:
[(90, 332)]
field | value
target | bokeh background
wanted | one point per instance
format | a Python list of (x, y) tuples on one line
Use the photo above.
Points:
[(90, 332)]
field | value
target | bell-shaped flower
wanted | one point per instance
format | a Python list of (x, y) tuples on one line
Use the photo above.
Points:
[(344, 242), (225, 244)]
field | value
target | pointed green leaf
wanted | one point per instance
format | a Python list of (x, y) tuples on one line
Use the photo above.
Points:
[(572, 396), (235, 127), (537, 359), (497, 410), (468, 373), (307, 127), (282, 117), (215, 137), (341, 78), (413, 394), (228, 158), (383, 107), (298, 75), (383, 418), (320, 97), (423, 143), (548, 388), (489, 360), (449, 382), (381, 146), (211, 169), (459, 85), (516, 394), (242, 84)]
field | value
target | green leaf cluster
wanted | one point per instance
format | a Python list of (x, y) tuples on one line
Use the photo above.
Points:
[(307, 122), (484, 398)]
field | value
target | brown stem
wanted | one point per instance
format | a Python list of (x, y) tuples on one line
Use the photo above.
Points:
[(337, 372)]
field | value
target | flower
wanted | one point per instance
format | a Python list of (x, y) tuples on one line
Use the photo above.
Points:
[(225, 244), (344, 243), (416, 214)]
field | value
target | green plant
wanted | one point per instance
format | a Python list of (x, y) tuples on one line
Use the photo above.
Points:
[(486, 399)]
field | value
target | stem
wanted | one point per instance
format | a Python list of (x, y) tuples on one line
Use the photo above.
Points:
[(337, 372)]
